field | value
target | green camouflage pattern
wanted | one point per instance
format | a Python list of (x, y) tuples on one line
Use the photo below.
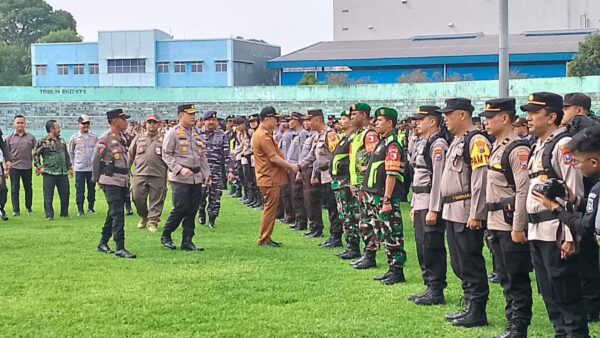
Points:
[(348, 210), (51, 154)]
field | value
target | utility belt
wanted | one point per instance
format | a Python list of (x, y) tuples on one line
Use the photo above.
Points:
[(505, 204), (540, 217), (110, 169), (457, 198), (423, 189)]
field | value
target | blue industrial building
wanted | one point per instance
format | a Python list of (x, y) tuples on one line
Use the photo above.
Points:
[(152, 58), (452, 57)]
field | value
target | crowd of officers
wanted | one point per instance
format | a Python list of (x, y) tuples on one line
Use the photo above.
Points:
[(514, 183), (475, 181)]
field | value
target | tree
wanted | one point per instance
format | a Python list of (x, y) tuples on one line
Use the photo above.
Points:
[(587, 60), (12, 59), (308, 79), (417, 76), (23, 22), (64, 35)]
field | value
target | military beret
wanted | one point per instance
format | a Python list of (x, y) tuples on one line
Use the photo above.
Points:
[(361, 107), (387, 112), (210, 115), (346, 113)]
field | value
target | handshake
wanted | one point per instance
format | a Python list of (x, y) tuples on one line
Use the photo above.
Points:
[(293, 167)]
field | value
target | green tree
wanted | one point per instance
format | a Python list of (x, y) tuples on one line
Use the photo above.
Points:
[(308, 79), (64, 35), (12, 59), (587, 60), (23, 22)]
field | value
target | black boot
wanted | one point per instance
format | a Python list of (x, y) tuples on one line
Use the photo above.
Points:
[(518, 330), (251, 199), (348, 247), (121, 252), (434, 297), (3, 214), (128, 211), (316, 233), (258, 204), (452, 316), (326, 242), (167, 242), (334, 241), (188, 245), (368, 261), (397, 276), (352, 252), (476, 315), (80, 210), (384, 276), (425, 293), (211, 221), (245, 197), (202, 217), (238, 192)]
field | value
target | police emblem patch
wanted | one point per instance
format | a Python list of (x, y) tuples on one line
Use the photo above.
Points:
[(589, 208)]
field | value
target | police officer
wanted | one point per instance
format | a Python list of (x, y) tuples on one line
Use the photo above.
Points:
[(552, 243), (506, 193), (426, 204), (464, 209), (81, 148), (522, 130), (293, 142), (340, 184), (577, 113), (325, 143), (150, 175), (217, 154), (239, 125), (363, 144), (51, 159), (110, 169), (382, 192), (312, 189), (286, 207), (184, 153)]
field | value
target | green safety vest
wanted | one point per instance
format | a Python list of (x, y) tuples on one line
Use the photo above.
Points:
[(376, 174)]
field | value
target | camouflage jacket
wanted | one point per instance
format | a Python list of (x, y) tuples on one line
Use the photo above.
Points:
[(52, 155)]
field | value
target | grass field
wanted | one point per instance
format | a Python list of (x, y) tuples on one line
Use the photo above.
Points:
[(54, 283)]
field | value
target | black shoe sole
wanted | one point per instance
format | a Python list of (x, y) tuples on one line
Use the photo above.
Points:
[(468, 325)]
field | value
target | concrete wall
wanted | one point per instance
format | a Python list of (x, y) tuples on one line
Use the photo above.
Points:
[(65, 104), (397, 19)]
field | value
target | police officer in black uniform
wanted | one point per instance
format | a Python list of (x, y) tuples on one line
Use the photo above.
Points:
[(110, 169)]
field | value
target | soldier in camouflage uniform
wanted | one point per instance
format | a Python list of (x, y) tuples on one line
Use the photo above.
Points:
[(51, 159), (217, 154), (383, 190), (361, 147)]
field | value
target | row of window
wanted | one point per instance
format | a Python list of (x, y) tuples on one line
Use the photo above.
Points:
[(129, 66), (195, 67)]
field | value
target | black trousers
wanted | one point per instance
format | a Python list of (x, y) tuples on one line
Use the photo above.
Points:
[(83, 179), (589, 272), (240, 176), (3, 192), (298, 201), (467, 261), (16, 176), (312, 203), (431, 250), (186, 201), (335, 224), (286, 198), (61, 182), (513, 264), (114, 225), (560, 286)]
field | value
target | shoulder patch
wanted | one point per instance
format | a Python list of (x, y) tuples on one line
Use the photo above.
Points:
[(567, 158), (438, 154), (523, 158), (480, 153), (101, 145), (371, 141), (393, 158)]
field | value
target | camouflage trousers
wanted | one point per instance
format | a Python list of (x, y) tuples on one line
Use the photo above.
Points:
[(387, 228), (365, 225), (214, 200), (348, 210)]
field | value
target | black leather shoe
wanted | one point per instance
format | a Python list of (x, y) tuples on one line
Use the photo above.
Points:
[(288, 221), (189, 246), (334, 243), (299, 228), (314, 234), (104, 248), (3, 215), (167, 242), (271, 244), (476, 315), (29, 210), (384, 276), (124, 254), (129, 213), (202, 217), (326, 242)]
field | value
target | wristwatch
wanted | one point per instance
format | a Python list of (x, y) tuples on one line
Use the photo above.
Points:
[(558, 210), (386, 200)]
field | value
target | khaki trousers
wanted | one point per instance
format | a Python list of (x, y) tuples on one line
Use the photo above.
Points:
[(271, 197)]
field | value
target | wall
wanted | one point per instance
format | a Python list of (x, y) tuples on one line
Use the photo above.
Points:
[(54, 54), (65, 104), (395, 19), (250, 63)]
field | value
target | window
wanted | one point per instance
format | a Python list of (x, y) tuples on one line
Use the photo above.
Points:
[(126, 66), (179, 67), (40, 70), (78, 69), (94, 70), (221, 66), (63, 70), (162, 67), (197, 66)]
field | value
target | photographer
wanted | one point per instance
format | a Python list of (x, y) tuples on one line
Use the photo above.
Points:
[(585, 149)]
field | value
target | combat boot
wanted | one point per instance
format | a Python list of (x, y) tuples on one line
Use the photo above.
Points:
[(128, 212), (397, 276), (121, 252), (251, 199), (316, 233), (259, 201), (202, 217), (332, 242), (433, 297), (518, 330), (476, 315), (188, 245), (167, 242), (452, 316), (368, 261), (425, 293), (211, 221), (384, 276), (238, 193), (352, 251)]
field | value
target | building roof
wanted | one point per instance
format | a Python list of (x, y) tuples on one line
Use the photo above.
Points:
[(437, 46)]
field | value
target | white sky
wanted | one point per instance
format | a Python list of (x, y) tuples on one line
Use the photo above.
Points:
[(291, 24)]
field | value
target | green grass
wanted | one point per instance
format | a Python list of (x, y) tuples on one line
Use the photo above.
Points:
[(54, 283)]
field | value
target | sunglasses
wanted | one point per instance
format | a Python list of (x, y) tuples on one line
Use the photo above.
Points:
[(85, 123)]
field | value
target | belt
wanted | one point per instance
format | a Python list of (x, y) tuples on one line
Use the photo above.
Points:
[(421, 167), (539, 173), (195, 170), (123, 171), (456, 198), (507, 204), (423, 189), (540, 217)]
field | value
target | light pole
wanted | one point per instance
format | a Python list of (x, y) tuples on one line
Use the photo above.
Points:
[(503, 64)]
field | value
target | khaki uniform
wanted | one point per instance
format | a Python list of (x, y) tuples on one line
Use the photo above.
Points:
[(184, 149), (312, 193), (323, 150), (149, 176), (464, 198)]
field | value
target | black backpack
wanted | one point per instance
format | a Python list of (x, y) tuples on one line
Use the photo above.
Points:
[(581, 122), (467, 148), (547, 157), (441, 134), (505, 161)]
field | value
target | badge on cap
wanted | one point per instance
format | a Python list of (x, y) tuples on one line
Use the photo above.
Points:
[(531, 97)]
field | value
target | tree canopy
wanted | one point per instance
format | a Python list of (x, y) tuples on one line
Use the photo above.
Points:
[(587, 60)]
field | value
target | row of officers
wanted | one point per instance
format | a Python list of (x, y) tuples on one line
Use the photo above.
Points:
[(531, 199)]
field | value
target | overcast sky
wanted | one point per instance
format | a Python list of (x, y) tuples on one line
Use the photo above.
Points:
[(291, 24)]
